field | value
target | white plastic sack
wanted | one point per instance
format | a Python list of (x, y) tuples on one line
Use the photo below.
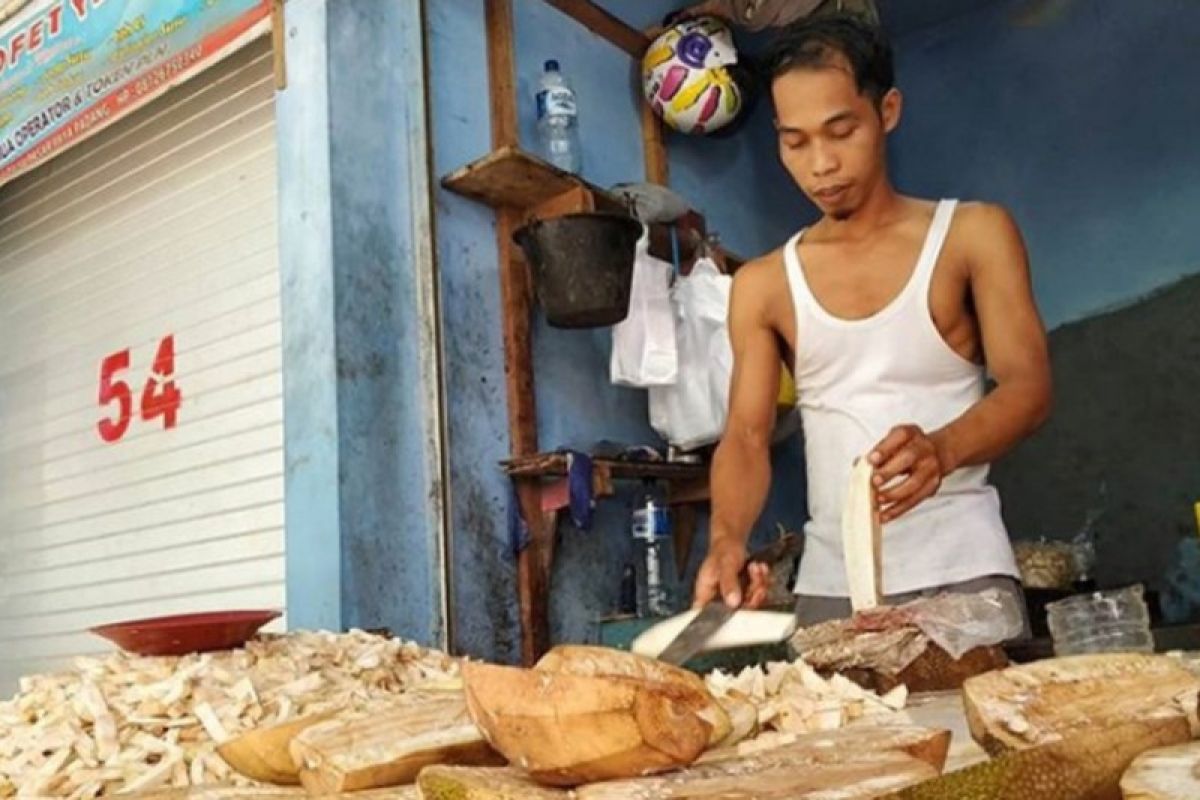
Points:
[(643, 344), (691, 412)]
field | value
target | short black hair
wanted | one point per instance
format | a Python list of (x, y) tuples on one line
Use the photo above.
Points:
[(813, 43)]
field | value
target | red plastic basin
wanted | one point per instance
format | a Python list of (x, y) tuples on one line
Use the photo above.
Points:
[(186, 633)]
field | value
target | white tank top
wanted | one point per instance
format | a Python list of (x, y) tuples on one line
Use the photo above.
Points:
[(856, 380)]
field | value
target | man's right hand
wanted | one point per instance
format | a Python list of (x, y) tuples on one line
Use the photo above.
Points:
[(722, 575)]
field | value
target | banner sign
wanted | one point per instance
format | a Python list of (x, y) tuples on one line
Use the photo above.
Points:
[(68, 68)]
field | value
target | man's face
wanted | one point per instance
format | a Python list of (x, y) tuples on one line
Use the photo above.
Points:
[(831, 137)]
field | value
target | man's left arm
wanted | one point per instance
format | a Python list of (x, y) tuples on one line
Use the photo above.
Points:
[(1015, 351)]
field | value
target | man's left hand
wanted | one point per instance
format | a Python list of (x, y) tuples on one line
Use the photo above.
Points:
[(908, 469)]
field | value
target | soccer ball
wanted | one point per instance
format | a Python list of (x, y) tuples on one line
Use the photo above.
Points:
[(686, 76)]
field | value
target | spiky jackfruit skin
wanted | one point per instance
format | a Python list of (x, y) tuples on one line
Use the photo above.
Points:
[(1085, 766)]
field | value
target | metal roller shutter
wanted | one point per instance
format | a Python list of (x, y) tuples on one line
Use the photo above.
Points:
[(157, 235)]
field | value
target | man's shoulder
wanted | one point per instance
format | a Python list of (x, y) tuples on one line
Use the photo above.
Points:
[(986, 236), (758, 284), (981, 217), (760, 273), (981, 228)]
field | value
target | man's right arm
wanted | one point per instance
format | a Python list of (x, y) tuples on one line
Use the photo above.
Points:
[(741, 468)]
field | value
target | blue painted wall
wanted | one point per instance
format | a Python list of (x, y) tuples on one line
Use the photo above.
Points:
[(482, 572), (729, 180), (313, 507), (1085, 127), (363, 470)]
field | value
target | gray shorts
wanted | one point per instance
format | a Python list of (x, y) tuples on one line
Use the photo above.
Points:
[(811, 608)]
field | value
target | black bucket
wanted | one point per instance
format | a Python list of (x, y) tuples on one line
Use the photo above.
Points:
[(582, 266)]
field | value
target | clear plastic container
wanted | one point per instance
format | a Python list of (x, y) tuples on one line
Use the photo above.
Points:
[(1101, 622)]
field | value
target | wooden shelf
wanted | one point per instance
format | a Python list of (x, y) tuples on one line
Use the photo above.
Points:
[(687, 484), (511, 178), (686, 489), (543, 465)]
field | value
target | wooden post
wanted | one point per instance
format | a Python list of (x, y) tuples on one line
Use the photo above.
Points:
[(533, 567), (533, 580), (604, 25), (278, 42), (654, 146), (502, 93)]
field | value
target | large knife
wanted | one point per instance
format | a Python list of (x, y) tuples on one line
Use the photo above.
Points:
[(712, 616), (695, 635)]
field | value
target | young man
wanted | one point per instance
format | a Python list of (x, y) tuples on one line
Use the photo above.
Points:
[(889, 309)]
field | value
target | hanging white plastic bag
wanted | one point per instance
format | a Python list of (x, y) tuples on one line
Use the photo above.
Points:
[(643, 344), (691, 412)]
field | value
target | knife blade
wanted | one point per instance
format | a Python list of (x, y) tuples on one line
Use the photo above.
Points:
[(697, 632)]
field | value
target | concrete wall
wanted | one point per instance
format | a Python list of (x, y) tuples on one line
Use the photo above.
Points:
[(728, 180), (1085, 128), (1125, 440)]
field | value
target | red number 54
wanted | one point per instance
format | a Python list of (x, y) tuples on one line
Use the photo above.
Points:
[(160, 396)]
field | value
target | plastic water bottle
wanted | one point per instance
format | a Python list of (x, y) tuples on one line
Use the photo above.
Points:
[(557, 120), (651, 533)]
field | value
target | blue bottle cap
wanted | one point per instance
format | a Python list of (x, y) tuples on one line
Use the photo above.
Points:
[(551, 65)]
